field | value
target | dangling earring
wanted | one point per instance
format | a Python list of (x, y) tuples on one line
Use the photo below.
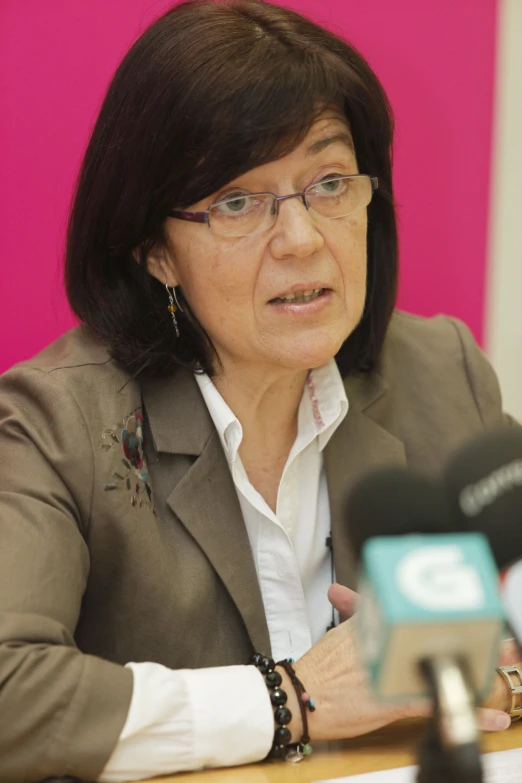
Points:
[(172, 308), (176, 298)]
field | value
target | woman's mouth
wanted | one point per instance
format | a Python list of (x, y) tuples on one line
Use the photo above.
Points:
[(303, 303), (301, 297)]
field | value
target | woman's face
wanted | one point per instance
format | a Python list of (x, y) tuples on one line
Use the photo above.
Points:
[(235, 286)]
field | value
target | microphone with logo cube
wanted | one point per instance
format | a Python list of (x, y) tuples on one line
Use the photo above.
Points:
[(430, 618)]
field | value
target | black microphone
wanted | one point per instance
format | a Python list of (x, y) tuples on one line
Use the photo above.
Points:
[(394, 502), (483, 485)]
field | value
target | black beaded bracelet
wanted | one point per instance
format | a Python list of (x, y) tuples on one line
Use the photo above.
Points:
[(281, 747), (305, 702), (278, 697)]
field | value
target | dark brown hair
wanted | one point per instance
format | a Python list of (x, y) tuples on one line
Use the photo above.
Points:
[(209, 91)]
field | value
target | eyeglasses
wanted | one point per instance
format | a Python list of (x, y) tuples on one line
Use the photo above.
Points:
[(242, 214)]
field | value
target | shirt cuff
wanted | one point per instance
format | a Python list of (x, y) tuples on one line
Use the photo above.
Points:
[(187, 719), (232, 715)]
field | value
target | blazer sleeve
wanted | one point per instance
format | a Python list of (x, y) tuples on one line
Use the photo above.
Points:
[(482, 379), (61, 712)]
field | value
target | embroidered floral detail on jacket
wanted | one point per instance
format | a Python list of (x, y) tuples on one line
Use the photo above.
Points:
[(133, 476)]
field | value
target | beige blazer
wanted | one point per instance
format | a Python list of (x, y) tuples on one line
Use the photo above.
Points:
[(106, 557)]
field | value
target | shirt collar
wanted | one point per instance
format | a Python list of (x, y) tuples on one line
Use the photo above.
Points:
[(226, 423), (323, 406), (324, 402)]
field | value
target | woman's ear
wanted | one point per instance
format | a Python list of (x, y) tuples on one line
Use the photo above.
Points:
[(159, 266)]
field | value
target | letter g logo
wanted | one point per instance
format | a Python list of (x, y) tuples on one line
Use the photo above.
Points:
[(436, 578)]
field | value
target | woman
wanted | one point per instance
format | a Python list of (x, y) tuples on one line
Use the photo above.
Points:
[(172, 468)]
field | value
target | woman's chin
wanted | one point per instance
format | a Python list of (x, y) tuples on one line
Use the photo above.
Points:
[(309, 354)]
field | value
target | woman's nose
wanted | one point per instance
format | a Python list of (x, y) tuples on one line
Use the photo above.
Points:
[(296, 232)]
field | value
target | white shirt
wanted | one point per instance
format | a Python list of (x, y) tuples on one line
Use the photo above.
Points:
[(182, 720)]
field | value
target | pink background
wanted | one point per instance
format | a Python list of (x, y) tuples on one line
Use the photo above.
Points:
[(436, 60)]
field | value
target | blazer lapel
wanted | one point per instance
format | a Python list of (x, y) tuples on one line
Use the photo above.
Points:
[(201, 491), (358, 446)]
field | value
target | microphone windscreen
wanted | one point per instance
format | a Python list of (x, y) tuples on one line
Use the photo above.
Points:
[(392, 502), (483, 485)]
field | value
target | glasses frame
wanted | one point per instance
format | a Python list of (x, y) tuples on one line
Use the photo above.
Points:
[(204, 217)]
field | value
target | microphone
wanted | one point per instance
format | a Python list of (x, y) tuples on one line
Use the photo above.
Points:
[(429, 617), (483, 485)]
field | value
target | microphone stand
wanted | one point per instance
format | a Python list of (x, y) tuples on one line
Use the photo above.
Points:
[(450, 752)]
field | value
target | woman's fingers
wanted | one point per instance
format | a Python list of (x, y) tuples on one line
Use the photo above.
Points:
[(493, 720), (420, 708), (343, 599), (509, 653), (488, 719)]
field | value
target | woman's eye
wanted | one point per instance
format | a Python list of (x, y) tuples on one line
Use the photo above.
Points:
[(234, 204), (331, 183)]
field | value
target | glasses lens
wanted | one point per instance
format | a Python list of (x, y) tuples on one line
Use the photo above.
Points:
[(334, 198), (242, 215)]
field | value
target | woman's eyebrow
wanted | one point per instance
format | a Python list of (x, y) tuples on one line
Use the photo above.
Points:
[(321, 144)]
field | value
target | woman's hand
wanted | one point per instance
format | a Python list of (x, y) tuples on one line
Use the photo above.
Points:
[(334, 676)]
